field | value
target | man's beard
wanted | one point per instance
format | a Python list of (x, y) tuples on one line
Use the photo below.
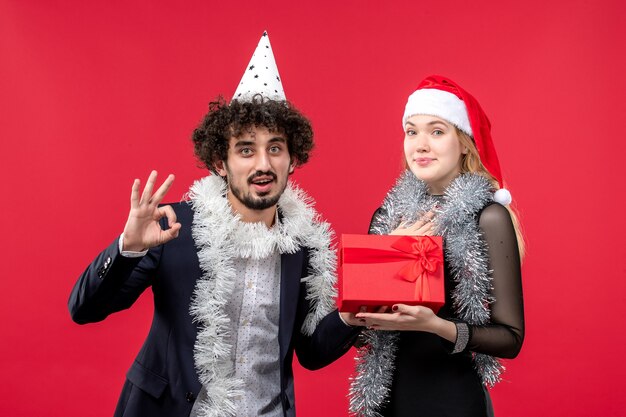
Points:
[(261, 202)]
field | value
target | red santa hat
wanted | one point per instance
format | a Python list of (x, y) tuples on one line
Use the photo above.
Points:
[(441, 97)]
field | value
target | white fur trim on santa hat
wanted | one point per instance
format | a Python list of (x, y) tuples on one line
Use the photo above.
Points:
[(439, 103)]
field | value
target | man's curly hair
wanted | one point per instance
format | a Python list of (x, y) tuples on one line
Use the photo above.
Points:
[(224, 121)]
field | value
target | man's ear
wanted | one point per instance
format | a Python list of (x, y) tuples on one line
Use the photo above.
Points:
[(219, 168), (292, 167)]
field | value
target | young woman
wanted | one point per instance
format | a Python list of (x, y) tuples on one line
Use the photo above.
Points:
[(414, 362)]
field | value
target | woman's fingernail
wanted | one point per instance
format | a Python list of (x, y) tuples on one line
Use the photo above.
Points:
[(394, 308)]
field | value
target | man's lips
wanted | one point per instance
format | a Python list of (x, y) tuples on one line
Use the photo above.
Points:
[(262, 183), (262, 179)]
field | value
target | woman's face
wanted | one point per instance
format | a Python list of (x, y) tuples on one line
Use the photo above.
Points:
[(433, 151)]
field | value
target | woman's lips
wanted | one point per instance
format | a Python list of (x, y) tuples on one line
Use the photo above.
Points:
[(423, 162)]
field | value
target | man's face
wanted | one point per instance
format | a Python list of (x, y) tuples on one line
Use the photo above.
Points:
[(257, 168)]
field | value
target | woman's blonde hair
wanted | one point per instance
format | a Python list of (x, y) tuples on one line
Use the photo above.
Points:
[(471, 163)]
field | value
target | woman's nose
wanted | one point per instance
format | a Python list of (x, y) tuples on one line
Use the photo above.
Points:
[(421, 143)]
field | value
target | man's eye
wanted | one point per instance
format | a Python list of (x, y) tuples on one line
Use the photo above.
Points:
[(245, 151)]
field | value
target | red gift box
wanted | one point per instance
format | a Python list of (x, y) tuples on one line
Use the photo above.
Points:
[(382, 270)]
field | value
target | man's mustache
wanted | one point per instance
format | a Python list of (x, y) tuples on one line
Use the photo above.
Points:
[(261, 174)]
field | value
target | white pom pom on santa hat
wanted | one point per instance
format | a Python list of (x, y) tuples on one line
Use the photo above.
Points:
[(502, 196)]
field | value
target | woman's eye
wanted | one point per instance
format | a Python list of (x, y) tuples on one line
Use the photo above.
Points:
[(437, 132), (410, 132)]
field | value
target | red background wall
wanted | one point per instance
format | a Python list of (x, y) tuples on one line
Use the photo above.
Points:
[(94, 94)]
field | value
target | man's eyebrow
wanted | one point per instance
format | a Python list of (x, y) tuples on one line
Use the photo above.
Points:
[(246, 142), (278, 139), (241, 143)]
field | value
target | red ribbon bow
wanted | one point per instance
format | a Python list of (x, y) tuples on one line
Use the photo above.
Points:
[(428, 257), (425, 255)]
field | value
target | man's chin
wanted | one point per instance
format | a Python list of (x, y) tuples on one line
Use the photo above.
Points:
[(261, 201), (264, 195), (260, 204)]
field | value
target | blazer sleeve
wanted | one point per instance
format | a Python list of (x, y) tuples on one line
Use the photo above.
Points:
[(331, 337), (111, 283), (330, 340)]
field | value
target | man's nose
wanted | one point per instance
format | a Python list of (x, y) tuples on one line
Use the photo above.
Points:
[(263, 162)]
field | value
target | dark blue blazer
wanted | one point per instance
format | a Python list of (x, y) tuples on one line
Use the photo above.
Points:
[(162, 380)]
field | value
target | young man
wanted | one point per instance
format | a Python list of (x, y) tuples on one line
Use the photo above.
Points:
[(242, 273)]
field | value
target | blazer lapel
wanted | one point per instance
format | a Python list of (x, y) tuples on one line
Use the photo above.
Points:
[(290, 274)]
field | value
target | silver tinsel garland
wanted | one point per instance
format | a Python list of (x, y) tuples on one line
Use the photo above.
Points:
[(466, 254), (221, 237)]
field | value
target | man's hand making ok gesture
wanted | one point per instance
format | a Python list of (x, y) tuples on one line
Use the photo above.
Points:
[(143, 230)]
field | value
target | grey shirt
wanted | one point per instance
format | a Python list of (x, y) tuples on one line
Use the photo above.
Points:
[(254, 313)]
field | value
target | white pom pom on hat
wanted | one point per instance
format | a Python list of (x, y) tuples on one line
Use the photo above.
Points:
[(441, 97), (502, 196)]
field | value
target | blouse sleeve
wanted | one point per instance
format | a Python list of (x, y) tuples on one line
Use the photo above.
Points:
[(503, 335)]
